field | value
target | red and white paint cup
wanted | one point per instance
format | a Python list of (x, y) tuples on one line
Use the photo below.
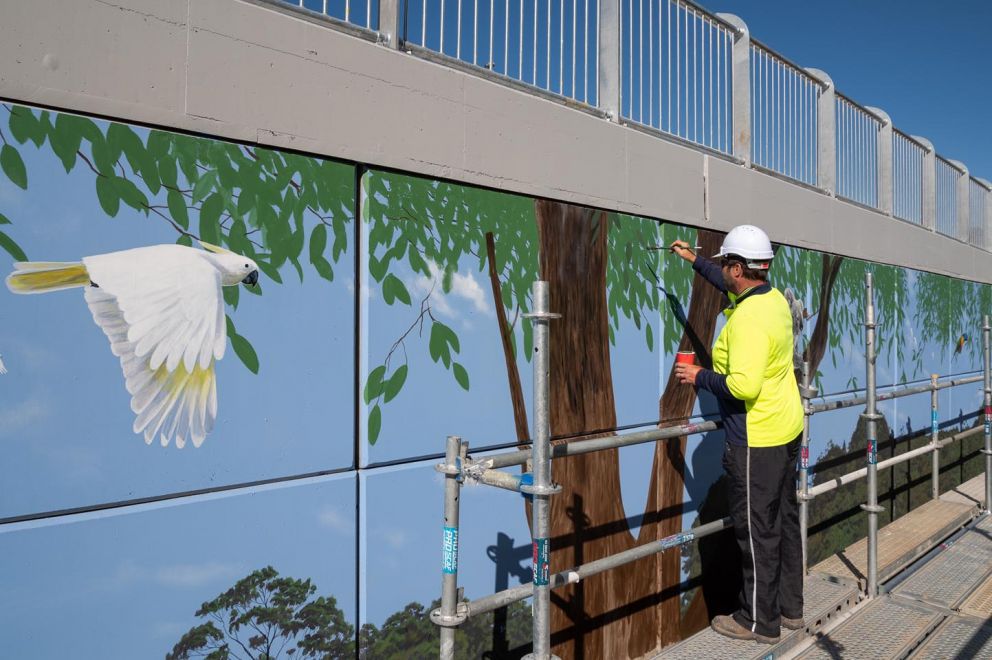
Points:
[(685, 357)]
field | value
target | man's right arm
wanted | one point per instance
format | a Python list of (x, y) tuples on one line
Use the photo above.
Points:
[(710, 271)]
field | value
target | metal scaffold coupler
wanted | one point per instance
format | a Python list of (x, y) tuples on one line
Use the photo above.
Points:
[(542, 316), (872, 509), (455, 469), (451, 620), (872, 417), (987, 452), (531, 489), (810, 392)]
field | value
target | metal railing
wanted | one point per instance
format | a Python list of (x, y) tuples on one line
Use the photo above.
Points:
[(948, 175), (698, 77), (359, 13), (460, 466), (857, 152), (908, 157), (784, 101), (675, 71), (552, 45)]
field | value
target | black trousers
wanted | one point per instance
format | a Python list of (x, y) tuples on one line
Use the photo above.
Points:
[(765, 512)]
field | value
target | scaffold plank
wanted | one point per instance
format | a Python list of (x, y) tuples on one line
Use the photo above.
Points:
[(947, 578), (823, 600), (957, 637), (885, 628), (900, 542), (979, 603), (970, 492)]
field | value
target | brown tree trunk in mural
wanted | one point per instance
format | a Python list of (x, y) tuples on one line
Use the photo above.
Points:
[(629, 611), (512, 374), (821, 331), (592, 619), (664, 507)]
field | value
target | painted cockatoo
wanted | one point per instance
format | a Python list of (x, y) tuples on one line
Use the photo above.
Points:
[(162, 309)]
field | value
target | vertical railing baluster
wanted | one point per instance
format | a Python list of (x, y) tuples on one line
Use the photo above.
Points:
[(826, 133), (740, 125), (389, 22), (883, 162), (608, 53)]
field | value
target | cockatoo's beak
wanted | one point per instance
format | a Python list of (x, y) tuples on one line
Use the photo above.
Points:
[(251, 279)]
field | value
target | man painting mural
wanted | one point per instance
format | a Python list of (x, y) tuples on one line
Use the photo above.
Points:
[(755, 387)]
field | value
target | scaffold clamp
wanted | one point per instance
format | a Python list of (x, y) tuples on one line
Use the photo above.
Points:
[(542, 316), (531, 489), (450, 620)]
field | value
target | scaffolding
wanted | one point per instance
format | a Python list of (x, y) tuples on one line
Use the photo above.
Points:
[(459, 467)]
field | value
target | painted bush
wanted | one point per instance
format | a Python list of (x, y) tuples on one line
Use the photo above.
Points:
[(440, 346)]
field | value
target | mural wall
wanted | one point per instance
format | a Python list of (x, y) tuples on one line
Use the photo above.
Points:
[(231, 370)]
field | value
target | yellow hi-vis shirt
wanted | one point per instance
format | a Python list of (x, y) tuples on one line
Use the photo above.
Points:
[(754, 351)]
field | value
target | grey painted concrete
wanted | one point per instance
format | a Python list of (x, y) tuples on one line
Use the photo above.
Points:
[(258, 73)]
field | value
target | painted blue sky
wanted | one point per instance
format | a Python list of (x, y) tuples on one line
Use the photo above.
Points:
[(65, 419)]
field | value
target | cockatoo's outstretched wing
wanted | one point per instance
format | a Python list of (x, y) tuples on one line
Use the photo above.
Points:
[(162, 310)]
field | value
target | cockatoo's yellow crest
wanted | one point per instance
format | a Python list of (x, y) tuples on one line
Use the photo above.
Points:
[(216, 249)]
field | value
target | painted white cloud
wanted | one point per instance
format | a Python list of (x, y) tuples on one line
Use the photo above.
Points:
[(394, 538), (332, 518), (464, 288), (194, 575), (21, 415), (175, 575)]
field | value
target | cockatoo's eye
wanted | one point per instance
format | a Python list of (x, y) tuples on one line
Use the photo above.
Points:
[(247, 266)]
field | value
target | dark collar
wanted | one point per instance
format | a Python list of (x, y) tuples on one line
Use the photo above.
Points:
[(755, 291)]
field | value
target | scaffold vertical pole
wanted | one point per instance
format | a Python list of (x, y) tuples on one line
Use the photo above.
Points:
[(804, 466), (449, 615), (987, 367), (871, 417), (934, 439), (542, 487)]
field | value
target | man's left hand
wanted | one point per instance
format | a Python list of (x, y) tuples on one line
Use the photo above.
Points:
[(686, 373)]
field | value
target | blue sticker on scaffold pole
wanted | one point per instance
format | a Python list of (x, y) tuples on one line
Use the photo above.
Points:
[(872, 451), (988, 420), (449, 564), (933, 422), (542, 573)]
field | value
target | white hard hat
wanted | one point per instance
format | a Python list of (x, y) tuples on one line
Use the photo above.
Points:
[(749, 242)]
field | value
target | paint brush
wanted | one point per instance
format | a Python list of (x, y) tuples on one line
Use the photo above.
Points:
[(691, 248)]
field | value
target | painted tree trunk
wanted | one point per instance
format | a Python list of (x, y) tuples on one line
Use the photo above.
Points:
[(628, 611), (664, 507), (589, 619)]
